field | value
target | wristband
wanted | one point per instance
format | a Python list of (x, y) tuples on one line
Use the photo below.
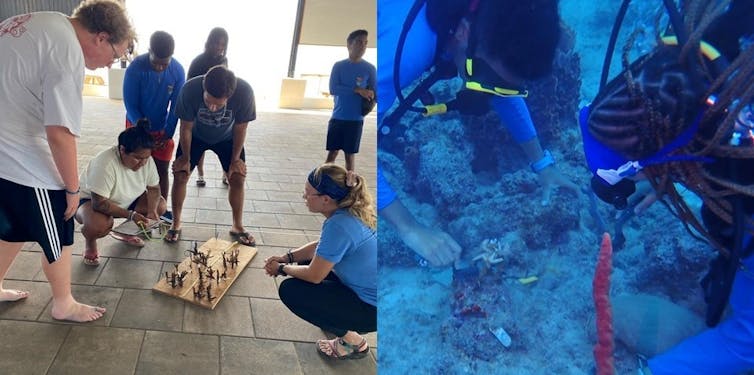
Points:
[(543, 163), (290, 256), (131, 215), (72, 192), (280, 270)]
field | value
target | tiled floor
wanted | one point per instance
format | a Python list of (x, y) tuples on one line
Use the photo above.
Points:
[(144, 332)]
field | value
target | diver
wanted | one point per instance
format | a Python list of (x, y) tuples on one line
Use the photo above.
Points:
[(681, 115), (494, 45)]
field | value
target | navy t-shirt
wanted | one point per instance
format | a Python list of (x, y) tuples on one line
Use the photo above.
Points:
[(215, 127)]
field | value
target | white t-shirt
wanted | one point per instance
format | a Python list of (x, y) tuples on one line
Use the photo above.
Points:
[(107, 177), (41, 83)]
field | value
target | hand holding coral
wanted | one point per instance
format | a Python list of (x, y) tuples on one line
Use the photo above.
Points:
[(436, 246)]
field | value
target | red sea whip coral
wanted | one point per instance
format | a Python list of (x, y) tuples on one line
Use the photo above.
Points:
[(603, 350)]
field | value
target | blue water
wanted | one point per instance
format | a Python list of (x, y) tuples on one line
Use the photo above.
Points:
[(466, 176)]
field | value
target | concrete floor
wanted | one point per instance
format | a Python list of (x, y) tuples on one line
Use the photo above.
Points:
[(144, 332)]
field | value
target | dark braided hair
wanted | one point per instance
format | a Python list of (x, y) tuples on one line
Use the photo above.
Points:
[(662, 94)]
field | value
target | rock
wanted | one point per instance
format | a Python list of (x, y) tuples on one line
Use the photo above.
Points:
[(651, 325)]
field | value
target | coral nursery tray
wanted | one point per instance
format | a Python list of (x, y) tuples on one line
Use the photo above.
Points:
[(207, 272)]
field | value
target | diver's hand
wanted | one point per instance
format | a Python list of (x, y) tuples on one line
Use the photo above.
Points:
[(550, 178), (650, 197), (436, 246)]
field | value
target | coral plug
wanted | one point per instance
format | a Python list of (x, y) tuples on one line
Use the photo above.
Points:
[(603, 350)]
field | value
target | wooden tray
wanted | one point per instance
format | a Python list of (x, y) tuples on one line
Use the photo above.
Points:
[(213, 251)]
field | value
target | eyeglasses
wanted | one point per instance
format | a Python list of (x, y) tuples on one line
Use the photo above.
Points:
[(307, 195), (116, 56)]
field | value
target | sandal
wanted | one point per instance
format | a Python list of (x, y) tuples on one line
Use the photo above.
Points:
[(244, 238), (130, 240), (91, 258), (200, 181), (172, 236), (354, 353)]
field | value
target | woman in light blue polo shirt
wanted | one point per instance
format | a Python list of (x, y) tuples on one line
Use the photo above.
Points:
[(333, 282)]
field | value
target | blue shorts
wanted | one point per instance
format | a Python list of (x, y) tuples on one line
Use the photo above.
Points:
[(344, 135)]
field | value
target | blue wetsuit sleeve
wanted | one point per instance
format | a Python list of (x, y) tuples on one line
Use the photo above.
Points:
[(726, 349), (514, 113), (172, 120), (131, 94), (385, 193)]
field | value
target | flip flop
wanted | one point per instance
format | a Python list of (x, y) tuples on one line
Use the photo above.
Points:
[(334, 354), (91, 260), (130, 240), (245, 238), (172, 236)]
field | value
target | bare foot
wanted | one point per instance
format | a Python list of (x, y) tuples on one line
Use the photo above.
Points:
[(12, 295), (350, 178), (78, 312)]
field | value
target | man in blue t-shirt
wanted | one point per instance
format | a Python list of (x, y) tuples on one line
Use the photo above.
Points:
[(215, 110), (351, 81), (150, 89)]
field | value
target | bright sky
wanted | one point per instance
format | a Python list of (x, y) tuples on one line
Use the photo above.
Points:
[(259, 40)]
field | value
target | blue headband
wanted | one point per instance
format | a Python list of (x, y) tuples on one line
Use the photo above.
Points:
[(328, 186)]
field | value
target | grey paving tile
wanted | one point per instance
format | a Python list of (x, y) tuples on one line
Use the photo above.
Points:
[(150, 310), (91, 295), (214, 217), (205, 203), (264, 252), (261, 219), (162, 251), (240, 355), (179, 353), (256, 194), (210, 192), (80, 273), (313, 363), (272, 320), (29, 308), (264, 185), (108, 350), (284, 238), (232, 316), (26, 265), (130, 273), (272, 206), (290, 221), (253, 282), (285, 196), (29, 347)]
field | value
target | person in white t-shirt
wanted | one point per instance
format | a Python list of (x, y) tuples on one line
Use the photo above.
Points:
[(41, 82), (121, 181)]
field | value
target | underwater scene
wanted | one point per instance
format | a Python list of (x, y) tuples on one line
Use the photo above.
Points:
[(536, 275)]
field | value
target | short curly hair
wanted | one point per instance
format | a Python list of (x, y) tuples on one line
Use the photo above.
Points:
[(107, 16)]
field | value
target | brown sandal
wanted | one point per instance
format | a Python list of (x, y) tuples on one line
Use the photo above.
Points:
[(354, 353)]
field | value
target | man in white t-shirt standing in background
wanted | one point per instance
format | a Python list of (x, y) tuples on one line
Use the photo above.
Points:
[(41, 83)]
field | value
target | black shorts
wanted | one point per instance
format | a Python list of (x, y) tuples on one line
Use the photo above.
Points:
[(30, 214), (223, 150), (344, 135)]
